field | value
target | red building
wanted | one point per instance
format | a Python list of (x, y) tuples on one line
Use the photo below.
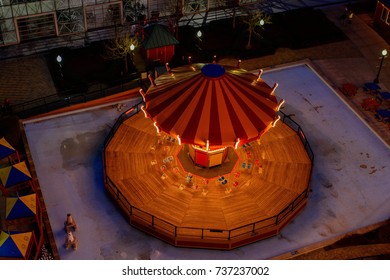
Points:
[(159, 44)]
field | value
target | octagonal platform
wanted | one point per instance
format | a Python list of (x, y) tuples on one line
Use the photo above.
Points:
[(265, 189)]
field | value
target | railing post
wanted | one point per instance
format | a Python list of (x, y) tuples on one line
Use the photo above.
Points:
[(152, 221), (202, 232)]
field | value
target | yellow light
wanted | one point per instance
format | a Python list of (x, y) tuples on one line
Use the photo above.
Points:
[(275, 121), (207, 145), (208, 151), (281, 102), (129, 111), (146, 113), (168, 68), (155, 125), (273, 88), (259, 75), (143, 94), (178, 139), (236, 144)]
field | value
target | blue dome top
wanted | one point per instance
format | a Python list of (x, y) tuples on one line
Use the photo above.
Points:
[(213, 70)]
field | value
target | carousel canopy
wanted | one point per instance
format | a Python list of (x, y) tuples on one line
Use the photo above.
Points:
[(5, 148), (14, 245), (14, 174), (202, 103), (20, 207)]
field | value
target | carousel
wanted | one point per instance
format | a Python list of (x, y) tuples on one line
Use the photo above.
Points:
[(208, 163)]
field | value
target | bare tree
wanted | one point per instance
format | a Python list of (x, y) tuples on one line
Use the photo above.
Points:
[(121, 47), (255, 21), (176, 9)]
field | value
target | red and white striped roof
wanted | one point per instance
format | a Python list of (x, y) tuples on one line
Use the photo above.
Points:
[(210, 102)]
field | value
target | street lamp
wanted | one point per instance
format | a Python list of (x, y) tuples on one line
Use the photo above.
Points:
[(262, 22), (59, 59), (384, 53), (199, 34), (132, 47)]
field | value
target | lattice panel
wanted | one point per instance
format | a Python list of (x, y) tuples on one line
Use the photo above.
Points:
[(47, 6), (19, 10), (166, 7), (195, 6), (9, 37), (132, 9), (75, 3), (61, 4), (70, 21), (33, 8), (103, 15), (8, 24), (6, 12)]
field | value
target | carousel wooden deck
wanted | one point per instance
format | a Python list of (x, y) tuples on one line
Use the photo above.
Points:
[(145, 169)]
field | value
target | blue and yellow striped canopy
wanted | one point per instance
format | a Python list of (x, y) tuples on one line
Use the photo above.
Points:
[(20, 207), (14, 174), (5, 148), (14, 245)]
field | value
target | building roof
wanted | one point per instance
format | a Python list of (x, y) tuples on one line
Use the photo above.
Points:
[(157, 36)]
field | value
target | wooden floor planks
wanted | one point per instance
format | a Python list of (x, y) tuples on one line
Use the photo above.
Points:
[(279, 171)]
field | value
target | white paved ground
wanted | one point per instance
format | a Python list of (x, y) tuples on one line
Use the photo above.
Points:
[(350, 179)]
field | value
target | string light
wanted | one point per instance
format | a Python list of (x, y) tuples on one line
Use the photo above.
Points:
[(281, 102), (143, 94), (208, 151), (259, 75), (144, 110), (275, 121), (156, 126), (236, 144), (273, 88)]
